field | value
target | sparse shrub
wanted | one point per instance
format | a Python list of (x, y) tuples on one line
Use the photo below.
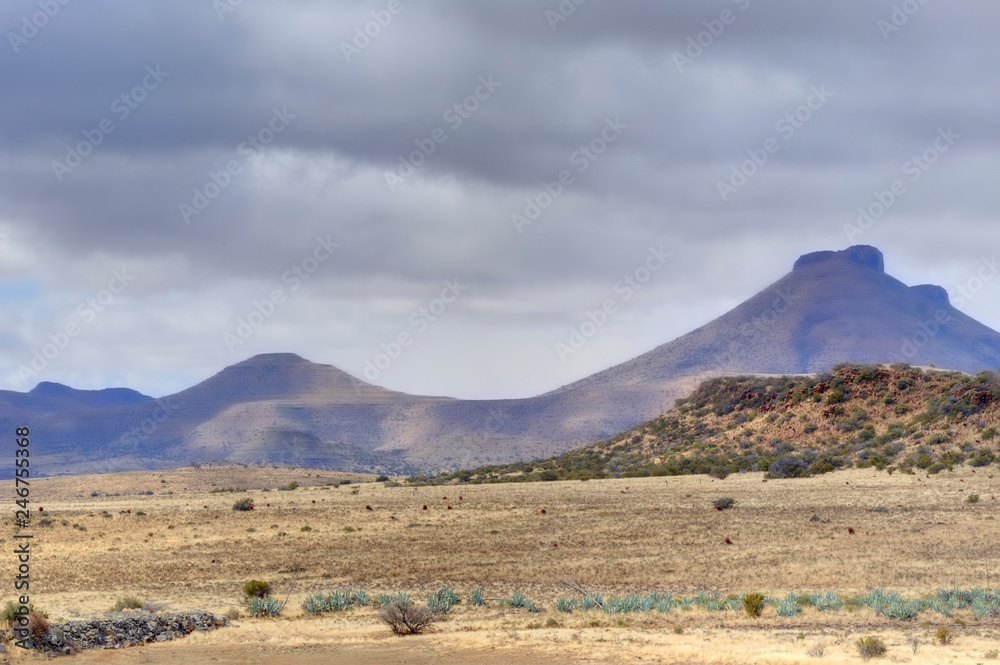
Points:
[(153, 606), (551, 623), (870, 647), (306, 528), (944, 635), (232, 614), (992, 654), (127, 603), (348, 529), (914, 641), (243, 504), (724, 503), (405, 618), (753, 604), (972, 498), (256, 589), (38, 624), (381, 479), (817, 650)]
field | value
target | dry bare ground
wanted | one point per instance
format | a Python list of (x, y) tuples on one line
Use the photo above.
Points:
[(912, 534)]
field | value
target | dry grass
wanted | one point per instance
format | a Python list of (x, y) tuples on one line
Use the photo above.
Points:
[(615, 536)]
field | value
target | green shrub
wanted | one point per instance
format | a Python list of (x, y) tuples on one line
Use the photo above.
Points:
[(753, 604), (243, 504), (256, 589), (870, 647), (724, 503), (944, 635), (127, 603)]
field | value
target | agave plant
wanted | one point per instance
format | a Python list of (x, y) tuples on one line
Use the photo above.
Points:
[(263, 607), (789, 606), (315, 604), (360, 598), (517, 600), (477, 598), (565, 605)]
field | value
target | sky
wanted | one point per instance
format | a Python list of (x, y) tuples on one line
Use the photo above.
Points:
[(436, 195)]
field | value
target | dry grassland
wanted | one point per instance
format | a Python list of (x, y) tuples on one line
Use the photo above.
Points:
[(913, 534)]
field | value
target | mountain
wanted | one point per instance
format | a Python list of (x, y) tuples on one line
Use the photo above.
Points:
[(886, 417), (833, 307)]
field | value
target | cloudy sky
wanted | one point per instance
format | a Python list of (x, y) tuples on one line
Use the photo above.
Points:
[(186, 184)]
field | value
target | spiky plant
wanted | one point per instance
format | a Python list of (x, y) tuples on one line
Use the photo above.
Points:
[(517, 600), (477, 598), (565, 605), (263, 607)]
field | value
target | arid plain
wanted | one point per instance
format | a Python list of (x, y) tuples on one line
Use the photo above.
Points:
[(189, 550)]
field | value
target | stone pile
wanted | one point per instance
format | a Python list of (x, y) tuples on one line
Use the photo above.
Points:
[(124, 629)]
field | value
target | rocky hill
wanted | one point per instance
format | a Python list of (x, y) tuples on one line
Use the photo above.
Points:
[(833, 307), (888, 417)]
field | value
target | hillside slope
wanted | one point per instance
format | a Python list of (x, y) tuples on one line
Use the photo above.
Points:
[(888, 417), (833, 307)]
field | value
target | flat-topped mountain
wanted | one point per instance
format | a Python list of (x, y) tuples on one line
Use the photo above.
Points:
[(833, 307)]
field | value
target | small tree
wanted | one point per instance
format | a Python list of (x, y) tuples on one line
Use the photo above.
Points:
[(256, 589), (753, 604)]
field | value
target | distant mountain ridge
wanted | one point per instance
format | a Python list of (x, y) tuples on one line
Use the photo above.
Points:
[(833, 307)]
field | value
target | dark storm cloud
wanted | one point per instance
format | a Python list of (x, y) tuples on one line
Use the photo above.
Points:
[(191, 90)]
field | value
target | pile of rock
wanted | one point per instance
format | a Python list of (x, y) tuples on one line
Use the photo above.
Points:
[(124, 629)]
